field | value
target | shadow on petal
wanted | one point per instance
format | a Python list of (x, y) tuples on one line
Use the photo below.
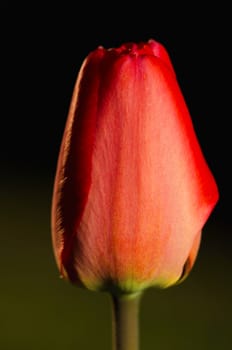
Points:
[(191, 259)]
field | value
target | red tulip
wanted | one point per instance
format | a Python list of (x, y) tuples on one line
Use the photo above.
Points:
[(132, 190)]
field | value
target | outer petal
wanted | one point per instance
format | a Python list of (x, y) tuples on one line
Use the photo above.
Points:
[(73, 175)]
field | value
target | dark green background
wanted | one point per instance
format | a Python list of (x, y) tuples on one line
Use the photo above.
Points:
[(42, 49)]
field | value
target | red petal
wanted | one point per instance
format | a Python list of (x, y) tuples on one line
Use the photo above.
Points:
[(73, 176)]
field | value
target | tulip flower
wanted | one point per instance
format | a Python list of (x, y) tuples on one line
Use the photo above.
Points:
[(132, 189)]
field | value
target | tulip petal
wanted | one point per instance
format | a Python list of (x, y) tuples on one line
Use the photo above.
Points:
[(73, 175), (151, 188)]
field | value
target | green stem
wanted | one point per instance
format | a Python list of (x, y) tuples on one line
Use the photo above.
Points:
[(126, 322)]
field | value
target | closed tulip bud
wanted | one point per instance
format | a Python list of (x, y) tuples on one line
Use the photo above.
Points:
[(132, 190)]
